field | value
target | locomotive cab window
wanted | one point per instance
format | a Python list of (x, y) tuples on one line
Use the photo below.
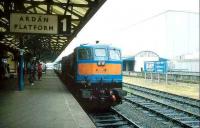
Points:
[(100, 54), (114, 54), (84, 54)]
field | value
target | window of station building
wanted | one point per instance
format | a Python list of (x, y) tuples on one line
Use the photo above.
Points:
[(114, 54), (84, 54)]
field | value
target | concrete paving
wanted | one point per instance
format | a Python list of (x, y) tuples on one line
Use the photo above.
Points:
[(47, 104)]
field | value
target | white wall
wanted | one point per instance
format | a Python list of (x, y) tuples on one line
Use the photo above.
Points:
[(139, 62)]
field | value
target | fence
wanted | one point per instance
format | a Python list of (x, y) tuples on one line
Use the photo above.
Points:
[(187, 77)]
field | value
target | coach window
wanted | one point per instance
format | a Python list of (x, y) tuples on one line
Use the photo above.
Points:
[(84, 54), (114, 54)]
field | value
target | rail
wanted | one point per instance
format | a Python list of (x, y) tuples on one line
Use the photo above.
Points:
[(169, 106), (111, 119)]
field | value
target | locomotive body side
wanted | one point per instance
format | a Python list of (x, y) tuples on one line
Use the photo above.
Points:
[(69, 68)]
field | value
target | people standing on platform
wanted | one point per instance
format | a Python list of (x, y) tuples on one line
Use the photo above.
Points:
[(8, 68), (39, 69), (31, 73), (45, 68), (7, 71), (2, 70), (28, 67), (34, 70)]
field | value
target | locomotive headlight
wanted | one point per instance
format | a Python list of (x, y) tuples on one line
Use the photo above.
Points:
[(101, 63)]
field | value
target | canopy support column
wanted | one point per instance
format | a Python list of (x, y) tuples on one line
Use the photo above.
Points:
[(21, 70)]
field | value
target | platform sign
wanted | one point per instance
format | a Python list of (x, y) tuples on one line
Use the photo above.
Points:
[(64, 24), (161, 66), (38, 23), (149, 66), (155, 66)]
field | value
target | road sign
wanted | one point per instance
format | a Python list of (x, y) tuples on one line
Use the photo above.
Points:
[(39, 23)]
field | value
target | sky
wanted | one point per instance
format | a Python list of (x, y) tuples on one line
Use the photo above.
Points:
[(138, 25)]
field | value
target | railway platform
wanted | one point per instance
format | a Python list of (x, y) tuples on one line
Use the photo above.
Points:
[(46, 104)]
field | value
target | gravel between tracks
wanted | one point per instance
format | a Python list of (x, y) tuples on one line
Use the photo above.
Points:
[(144, 118)]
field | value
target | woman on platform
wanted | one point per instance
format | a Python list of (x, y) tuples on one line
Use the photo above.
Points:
[(39, 70)]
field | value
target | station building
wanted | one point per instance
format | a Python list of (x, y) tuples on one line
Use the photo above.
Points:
[(186, 62), (136, 63), (183, 63)]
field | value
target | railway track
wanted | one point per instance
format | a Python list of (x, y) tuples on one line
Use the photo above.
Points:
[(180, 102), (181, 99), (112, 119), (166, 105)]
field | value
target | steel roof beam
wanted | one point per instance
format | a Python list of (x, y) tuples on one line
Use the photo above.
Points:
[(48, 46), (63, 7), (35, 3)]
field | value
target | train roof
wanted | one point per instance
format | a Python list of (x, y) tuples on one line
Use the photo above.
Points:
[(67, 57), (64, 58), (97, 46)]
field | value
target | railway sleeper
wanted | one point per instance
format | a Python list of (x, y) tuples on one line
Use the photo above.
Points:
[(151, 106), (147, 104), (183, 118), (157, 109), (139, 101), (107, 120), (173, 115), (105, 117), (166, 111), (191, 122), (112, 124)]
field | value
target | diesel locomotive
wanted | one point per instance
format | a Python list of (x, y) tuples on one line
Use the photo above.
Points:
[(94, 74)]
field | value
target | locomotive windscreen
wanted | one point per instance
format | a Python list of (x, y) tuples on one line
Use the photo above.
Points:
[(100, 54), (84, 54), (114, 54)]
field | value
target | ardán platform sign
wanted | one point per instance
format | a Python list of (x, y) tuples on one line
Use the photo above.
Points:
[(38, 23)]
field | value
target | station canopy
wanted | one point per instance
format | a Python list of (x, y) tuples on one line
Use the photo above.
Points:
[(45, 46)]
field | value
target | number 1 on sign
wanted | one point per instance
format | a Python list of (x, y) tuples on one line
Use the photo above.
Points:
[(64, 22)]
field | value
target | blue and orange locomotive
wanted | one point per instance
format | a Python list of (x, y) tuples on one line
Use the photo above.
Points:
[(94, 73)]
